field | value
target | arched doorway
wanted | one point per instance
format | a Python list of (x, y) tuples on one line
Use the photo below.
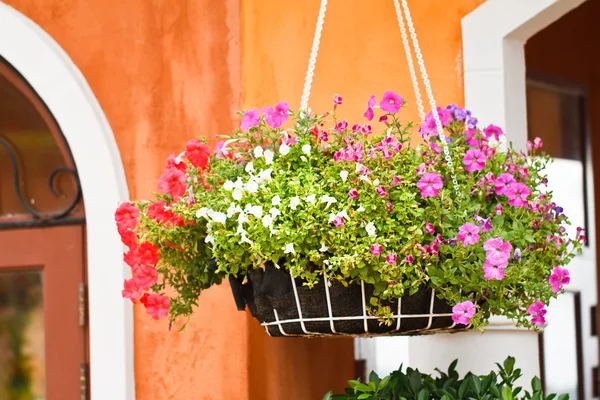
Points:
[(42, 272), (58, 82)]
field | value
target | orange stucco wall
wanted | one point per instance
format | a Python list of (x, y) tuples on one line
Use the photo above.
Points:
[(164, 71)]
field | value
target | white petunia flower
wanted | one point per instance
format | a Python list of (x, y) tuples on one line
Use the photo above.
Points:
[(306, 149), (251, 187), (257, 211), (358, 167), (265, 175), (360, 209), (231, 210), (202, 213), (209, 239), (364, 178), (332, 217), (228, 185), (289, 248), (258, 152), (371, 229), (237, 194), (294, 202), (216, 216), (269, 156), (310, 199), (344, 214), (244, 238), (267, 221), (323, 248), (284, 149), (276, 200), (344, 175), (376, 182), (242, 218), (274, 212), (328, 199), (250, 167), (238, 184)]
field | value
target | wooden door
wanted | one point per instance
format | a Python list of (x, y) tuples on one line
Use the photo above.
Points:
[(42, 335)]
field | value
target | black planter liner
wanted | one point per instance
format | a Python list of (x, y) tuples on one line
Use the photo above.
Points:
[(271, 289)]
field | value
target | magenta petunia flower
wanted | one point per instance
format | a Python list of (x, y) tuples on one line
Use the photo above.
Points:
[(436, 148), (503, 183), (429, 127), (338, 221), (430, 184), (396, 181), (485, 223), (381, 191), (537, 310), (387, 154), (429, 228), (494, 269), (342, 125), (497, 249), (463, 312), (376, 249), (277, 116), (250, 119), (470, 137), (558, 278), (366, 129), (409, 259), (493, 130), (517, 194), (337, 100), (468, 234), (474, 160), (353, 193), (369, 114), (390, 206), (391, 258), (498, 209), (391, 102)]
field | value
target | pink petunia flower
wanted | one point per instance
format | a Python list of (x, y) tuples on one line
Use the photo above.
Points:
[(338, 221), (250, 119), (517, 194), (498, 209), (353, 193), (470, 137), (468, 234), (376, 249), (436, 148), (492, 130), (366, 129), (337, 100), (396, 181), (409, 259), (391, 258), (132, 289), (370, 104), (463, 312), (387, 154), (497, 249), (391, 102), (429, 127), (558, 278), (430, 184), (537, 310), (503, 183), (474, 160), (537, 143), (390, 206), (494, 269), (276, 117), (381, 191), (429, 228), (485, 223), (342, 125)]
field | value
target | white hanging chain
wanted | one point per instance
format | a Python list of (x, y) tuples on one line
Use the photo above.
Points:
[(310, 73), (424, 76)]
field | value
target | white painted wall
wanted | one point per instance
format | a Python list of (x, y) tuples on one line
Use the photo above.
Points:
[(59, 83)]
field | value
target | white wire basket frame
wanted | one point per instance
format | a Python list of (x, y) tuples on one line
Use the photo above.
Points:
[(365, 317)]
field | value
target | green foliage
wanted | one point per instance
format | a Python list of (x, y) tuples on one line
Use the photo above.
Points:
[(263, 200), (414, 385)]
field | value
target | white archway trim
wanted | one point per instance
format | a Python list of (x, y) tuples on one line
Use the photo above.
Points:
[(494, 37), (63, 88)]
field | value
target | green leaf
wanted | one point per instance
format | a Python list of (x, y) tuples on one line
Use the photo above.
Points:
[(536, 384), (476, 384), (415, 381), (507, 393), (563, 397), (462, 390), (509, 364), (495, 391), (328, 396), (364, 396), (423, 394)]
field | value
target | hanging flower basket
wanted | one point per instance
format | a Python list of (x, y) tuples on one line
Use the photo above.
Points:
[(325, 227)]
